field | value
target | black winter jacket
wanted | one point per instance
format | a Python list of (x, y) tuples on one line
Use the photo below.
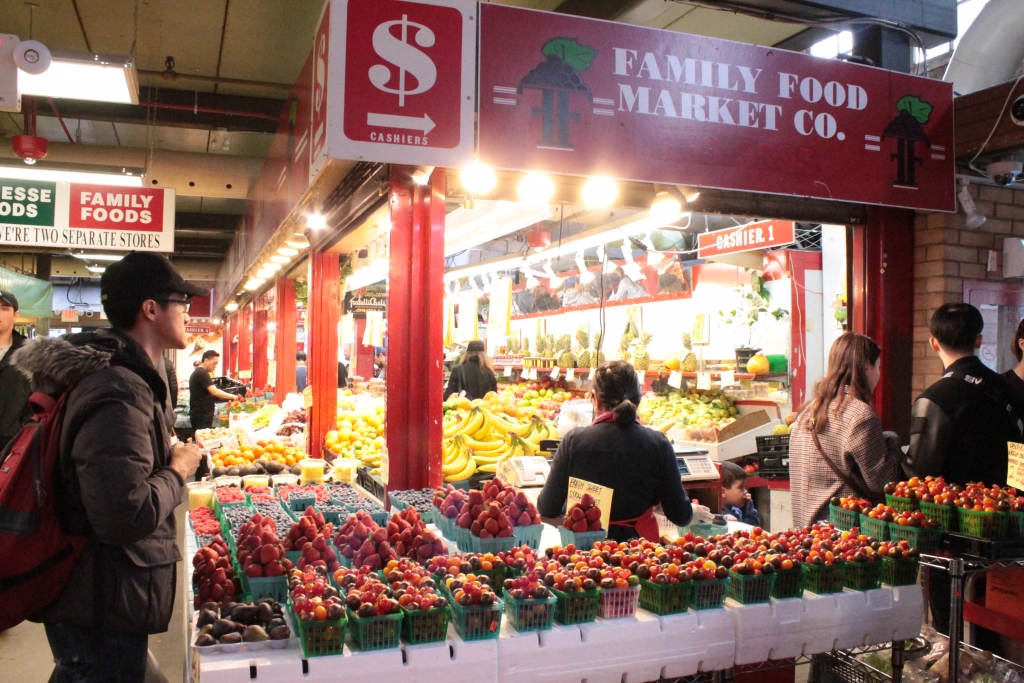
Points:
[(115, 484), (960, 426), (14, 393), (471, 378)]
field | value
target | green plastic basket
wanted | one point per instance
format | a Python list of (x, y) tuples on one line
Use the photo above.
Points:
[(577, 608), (751, 588), (901, 504), (583, 541), (425, 626), (862, 576), (275, 587), (823, 578), (477, 622), (662, 599), (945, 515), (982, 524), (1016, 525), (474, 544), (320, 638), (788, 583), (875, 528), (778, 364), (925, 540), (375, 633), (709, 594), (530, 615), (899, 572), (844, 520), (616, 603), (528, 535)]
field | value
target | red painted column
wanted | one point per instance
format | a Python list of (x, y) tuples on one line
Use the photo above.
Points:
[(244, 338), (882, 306), (228, 359), (322, 358), (415, 311), (259, 343), (285, 347)]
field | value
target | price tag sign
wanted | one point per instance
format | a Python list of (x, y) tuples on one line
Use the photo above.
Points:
[(307, 397), (703, 380), (506, 472), (601, 494), (554, 373), (531, 373), (385, 465), (728, 378), (640, 381), (675, 379), (592, 372), (1015, 468), (570, 374), (507, 371)]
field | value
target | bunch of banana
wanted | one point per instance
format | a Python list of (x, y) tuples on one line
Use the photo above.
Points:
[(458, 462), (369, 459), (512, 446)]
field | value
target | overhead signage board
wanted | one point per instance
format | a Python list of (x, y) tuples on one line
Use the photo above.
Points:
[(399, 82), (751, 237), (372, 298), (576, 96), (35, 213)]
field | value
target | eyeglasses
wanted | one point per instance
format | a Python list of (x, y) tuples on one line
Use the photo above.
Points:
[(184, 303)]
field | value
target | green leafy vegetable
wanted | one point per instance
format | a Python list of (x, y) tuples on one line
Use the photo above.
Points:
[(576, 55), (916, 107)]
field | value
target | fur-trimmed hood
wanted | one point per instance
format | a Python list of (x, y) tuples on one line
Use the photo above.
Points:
[(51, 364)]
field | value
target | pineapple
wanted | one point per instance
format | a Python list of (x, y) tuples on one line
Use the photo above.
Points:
[(565, 358), (526, 346), (624, 346), (597, 355), (551, 345), (583, 339), (513, 346), (642, 358), (689, 363), (540, 345)]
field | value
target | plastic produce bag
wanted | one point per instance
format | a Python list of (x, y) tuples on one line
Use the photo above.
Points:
[(575, 413)]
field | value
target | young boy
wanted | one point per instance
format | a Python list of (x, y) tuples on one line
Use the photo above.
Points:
[(737, 504)]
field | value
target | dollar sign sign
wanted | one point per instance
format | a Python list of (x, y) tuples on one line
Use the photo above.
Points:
[(403, 55)]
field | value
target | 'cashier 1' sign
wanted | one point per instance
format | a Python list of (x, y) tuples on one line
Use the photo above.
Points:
[(37, 213)]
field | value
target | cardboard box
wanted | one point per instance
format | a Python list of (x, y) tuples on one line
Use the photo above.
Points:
[(1005, 591)]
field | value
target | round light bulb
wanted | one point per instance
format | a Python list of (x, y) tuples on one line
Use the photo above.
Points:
[(264, 273), (477, 178), (272, 267), (288, 251), (666, 206), (280, 259), (231, 307)]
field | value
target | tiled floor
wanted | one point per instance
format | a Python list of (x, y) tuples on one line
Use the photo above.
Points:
[(25, 655)]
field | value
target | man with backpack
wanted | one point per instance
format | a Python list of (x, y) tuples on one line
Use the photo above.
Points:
[(119, 478), (14, 410)]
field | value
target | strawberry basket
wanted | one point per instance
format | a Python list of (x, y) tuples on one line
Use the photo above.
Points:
[(862, 576), (899, 572), (530, 615), (789, 583), (616, 603), (749, 589), (981, 524), (425, 626), (528, 535), (663, 599), (823, 578), (576, 608), (583, 540), (945, 515), (375, 633), (477, 622), (257, 587), (901, 504), (475, 544), (320, 638), (844, 520), (709, 594), (925, 540), (875, 528)]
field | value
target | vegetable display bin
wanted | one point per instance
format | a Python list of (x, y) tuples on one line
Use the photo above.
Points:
[(823, 578), (663, 599), (616, 603), (375, 633), (477, 622), (875, 528), (789, 583), (709, 594), (862, 576), (983, 524), (899, 572), (531, 614), (945, 515), (925, 540), (749, 589), (576, 608), (844, 520), (425, 626), (901, 504), (320, 638)]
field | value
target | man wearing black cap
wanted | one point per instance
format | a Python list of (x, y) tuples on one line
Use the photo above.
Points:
[(121, 477), (14, 388)]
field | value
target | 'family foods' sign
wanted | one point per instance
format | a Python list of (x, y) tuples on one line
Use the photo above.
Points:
[(78, 216)]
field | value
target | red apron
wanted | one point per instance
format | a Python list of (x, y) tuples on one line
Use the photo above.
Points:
[(646, 525)]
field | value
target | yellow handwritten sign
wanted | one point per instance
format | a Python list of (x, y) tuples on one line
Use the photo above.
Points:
[(385, 465), (601, 494), (307, 397), (506, 472), (1015, 466)]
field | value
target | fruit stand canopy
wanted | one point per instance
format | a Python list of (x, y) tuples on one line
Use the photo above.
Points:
[(35, 297)]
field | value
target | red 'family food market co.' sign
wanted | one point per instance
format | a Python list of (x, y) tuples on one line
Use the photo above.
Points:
[(37, 213), (760, 235), (585, 97)]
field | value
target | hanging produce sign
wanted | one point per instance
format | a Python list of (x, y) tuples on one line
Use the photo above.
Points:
[(398, 82), (760, 235), (371, 298), (564, 94), (78, 216)]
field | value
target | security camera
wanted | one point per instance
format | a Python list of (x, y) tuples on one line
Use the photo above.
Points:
[(1017, 111), (1004, 172), (32, 57)]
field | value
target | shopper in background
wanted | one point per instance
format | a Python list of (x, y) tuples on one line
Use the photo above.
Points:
[(120, 478), (737, 503), (962, 422), (474, 375), (203, 394), (575, 294), (524, 301), (543, 300), (837, 446), (380, 364), (616, 451), (1015, 376), (622, 287), (300, 371), (14, 387)]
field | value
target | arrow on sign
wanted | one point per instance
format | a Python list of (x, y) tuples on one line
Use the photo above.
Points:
[(420, 123)]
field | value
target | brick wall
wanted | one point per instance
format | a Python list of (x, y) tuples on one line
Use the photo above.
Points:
[(946, 254)]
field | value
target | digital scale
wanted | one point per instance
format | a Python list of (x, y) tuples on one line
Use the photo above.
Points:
[(695, 464), (530, 470)]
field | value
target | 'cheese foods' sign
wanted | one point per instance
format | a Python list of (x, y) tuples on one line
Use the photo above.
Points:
[(37, 213)]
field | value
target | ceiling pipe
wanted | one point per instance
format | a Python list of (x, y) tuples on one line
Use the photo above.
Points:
[(991, 50), (60, 118), (172, 75), (209, 110)]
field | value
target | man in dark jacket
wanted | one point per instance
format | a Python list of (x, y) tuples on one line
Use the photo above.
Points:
[(121, 478), (14, 388)]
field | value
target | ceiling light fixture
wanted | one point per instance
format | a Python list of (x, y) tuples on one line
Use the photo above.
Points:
[(298, 244), (531, 279), (264, 273), (96, 269), (80, 76), (421, 175), (478, 178), (253, 284), (231, 307), (271, 266), (280, 259), (974, 219), (99, 257), (288, 251), (599, 192), (554, 282), (665, 205), (22, 173), (536, 189), (316, 221)]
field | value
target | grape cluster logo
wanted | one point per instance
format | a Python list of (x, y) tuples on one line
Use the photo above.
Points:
[(558, 80), (907, 130)]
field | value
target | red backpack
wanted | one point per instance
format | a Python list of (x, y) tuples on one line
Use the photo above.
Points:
[(37, 556)]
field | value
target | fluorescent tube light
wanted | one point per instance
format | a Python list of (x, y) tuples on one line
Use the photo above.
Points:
[(25, 173), (76, 76), (88, 256)]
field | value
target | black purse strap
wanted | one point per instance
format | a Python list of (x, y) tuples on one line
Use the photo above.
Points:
[(843, 476)]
